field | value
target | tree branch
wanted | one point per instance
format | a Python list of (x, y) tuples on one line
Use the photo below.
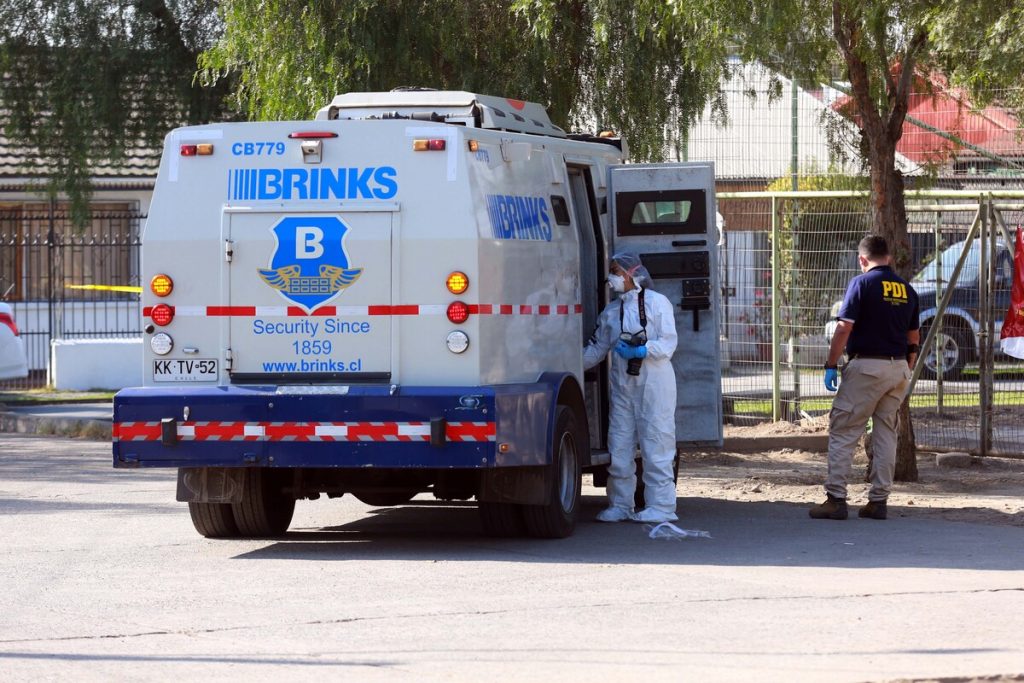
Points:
[(845, 31), (883, 56), (898, 113)]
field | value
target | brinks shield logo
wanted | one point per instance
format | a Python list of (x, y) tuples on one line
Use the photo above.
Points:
[(309, 267)]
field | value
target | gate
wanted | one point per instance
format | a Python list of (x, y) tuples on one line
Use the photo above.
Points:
[(68, 281)]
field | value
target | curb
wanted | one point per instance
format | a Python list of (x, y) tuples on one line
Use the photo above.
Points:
[(93, 430)]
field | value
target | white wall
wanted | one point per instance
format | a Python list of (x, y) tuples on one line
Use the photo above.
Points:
[(84, 364)]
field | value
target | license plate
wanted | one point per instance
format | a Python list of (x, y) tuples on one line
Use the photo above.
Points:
[(185, 370)]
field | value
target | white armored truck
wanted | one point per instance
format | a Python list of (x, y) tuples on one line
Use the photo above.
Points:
[(392, 299)]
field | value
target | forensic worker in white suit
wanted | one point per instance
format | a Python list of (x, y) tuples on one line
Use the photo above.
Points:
[(639, 330)]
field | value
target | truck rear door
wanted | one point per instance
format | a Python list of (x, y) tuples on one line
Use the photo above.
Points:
[(309, 295), (667, 214)]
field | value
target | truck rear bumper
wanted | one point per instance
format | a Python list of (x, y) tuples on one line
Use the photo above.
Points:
[(353, 427)]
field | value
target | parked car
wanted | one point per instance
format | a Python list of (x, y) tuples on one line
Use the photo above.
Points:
[(13, 363), (957, 342)]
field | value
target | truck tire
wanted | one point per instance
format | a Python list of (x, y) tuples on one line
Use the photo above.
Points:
[(265, 510), (385, 499), (213, 520), (502, 520), (955, 346), (557, 519)]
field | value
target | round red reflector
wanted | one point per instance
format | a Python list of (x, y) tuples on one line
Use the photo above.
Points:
[(161, 284), (162, 314), (458, 312)]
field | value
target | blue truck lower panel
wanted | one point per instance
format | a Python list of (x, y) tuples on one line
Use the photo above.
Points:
[(363, 426)]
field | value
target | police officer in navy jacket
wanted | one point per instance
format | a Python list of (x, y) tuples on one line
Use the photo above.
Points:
[(878, 327)]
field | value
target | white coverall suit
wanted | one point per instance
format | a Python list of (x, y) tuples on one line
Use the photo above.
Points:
[(642, 407)]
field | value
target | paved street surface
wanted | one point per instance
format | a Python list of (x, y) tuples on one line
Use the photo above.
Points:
[(103, 578)]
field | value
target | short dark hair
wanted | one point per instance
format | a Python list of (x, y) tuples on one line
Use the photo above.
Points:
[(873, 247)]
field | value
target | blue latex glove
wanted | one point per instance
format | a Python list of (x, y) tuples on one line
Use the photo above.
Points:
[(831, 379), (629, 352)]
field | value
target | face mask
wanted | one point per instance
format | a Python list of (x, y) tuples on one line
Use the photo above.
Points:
[(617, 282)]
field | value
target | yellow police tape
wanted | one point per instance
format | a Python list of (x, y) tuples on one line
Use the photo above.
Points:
[(107, 288)]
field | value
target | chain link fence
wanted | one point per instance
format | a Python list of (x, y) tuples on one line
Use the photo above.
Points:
[(783, 283)]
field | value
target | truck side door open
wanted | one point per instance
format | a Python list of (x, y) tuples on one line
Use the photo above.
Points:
[(666, 214)]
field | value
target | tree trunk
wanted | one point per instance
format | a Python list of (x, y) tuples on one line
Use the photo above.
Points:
[(889, 217)]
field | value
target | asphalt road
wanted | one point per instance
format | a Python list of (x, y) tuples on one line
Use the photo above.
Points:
[(103, 577)]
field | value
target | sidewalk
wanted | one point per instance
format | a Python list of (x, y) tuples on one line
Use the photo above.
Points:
[(85, 420)]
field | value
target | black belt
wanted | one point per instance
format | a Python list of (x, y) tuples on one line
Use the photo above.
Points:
[(871, 357)]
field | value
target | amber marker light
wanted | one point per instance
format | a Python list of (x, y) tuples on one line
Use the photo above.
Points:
[(457, 282), (437, 145), (161, 284)]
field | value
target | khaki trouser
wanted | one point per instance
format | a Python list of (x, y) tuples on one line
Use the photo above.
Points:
[(871, 388)]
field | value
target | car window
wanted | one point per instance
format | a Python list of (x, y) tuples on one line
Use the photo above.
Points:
[(950, 256)]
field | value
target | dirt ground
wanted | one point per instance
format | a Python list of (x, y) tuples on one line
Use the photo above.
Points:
[(990, 490)]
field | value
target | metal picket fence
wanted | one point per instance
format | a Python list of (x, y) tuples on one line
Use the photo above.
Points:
[(783, 279), (67, 281)]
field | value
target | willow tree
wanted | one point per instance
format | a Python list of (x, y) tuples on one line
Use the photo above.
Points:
[(84, 80), (591, 63)]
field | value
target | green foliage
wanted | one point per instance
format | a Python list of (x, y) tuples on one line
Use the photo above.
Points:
[(637, 68), (817, 238), (293, 56), (977, 45), (85, 79)]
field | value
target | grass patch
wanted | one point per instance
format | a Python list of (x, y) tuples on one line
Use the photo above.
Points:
[(1001, 399)]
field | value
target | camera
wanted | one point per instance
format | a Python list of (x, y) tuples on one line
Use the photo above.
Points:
[(638, 339)]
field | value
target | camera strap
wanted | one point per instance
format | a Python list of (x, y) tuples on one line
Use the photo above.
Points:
[(642, 312)]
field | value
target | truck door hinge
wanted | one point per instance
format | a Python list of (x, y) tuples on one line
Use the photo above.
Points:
[(228, 359), (229, 250)]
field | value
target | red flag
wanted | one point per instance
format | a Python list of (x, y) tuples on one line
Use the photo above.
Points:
[(1013, 324)]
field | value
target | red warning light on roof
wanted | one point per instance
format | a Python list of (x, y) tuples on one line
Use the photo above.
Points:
[(312, 135), (518, 105)]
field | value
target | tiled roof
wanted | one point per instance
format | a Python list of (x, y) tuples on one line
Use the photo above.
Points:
[(18, 160)]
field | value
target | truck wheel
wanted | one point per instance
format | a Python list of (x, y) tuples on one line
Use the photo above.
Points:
[(954, 345), (213, 520), (502, 520), (557, 519), (385, 499), (265, 510)]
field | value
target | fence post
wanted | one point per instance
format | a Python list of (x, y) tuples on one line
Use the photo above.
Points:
[(51, 273), (984, 435), (937, 321), (987, 370), (776, 388)]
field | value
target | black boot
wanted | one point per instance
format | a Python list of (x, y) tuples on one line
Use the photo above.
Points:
[(875, 509), (833, 508)]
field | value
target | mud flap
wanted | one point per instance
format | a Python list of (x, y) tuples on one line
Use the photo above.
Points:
[(210, 484)]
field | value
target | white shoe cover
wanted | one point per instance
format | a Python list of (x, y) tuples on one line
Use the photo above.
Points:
[(614, 514), (652, 516)]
